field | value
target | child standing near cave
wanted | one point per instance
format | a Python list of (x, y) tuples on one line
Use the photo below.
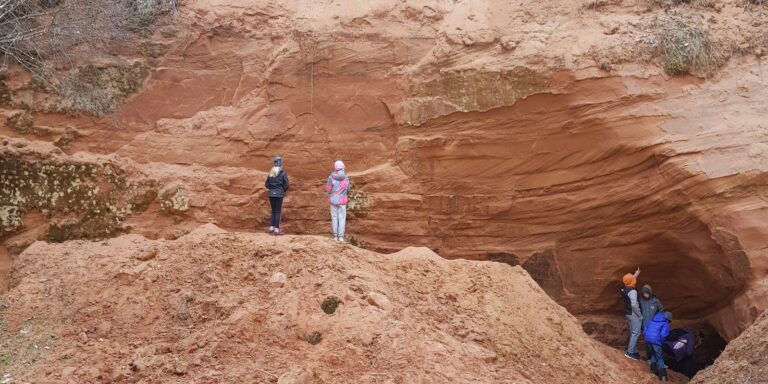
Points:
[(650, 305), (632, 313), (337, 188), (277, 184), (655, 334)]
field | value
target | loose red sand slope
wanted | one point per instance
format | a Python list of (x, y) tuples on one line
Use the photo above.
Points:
[(745, 360), (201, 309)]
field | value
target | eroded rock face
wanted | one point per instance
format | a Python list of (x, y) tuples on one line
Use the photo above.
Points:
[(473, 129)]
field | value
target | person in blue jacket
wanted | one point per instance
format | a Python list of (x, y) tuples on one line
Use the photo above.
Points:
[(655, 334)]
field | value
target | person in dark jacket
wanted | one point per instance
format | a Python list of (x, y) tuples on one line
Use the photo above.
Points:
[(277, 184), (655, 334), (650, 305), (679, 345)]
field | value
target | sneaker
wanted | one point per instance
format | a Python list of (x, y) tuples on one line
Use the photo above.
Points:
[(277, 232), (337, 239), (633, 356), (271, 229)]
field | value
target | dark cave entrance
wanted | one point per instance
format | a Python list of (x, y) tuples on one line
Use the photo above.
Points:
[(611, 328), (710, 345)]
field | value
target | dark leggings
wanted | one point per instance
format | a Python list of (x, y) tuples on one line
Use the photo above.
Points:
[(277, 205)]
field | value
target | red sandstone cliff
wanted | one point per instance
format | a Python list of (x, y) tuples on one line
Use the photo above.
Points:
[(544, 134)]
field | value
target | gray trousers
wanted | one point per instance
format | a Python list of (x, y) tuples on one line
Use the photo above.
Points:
[(338, 220), (635, 323)]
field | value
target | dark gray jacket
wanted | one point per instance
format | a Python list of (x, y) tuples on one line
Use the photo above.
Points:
[(277, 185), (649, 307)]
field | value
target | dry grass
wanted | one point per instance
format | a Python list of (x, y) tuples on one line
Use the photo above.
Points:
[(598, 4), (667, 4), (687, 48)]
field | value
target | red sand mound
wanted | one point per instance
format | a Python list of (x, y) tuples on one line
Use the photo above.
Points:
[(213, 307), (745, 360)]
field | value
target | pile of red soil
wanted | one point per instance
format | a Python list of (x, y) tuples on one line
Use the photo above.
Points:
[(744, 360), (221, 307)]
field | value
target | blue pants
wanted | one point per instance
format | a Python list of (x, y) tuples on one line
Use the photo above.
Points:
[(657, 355), (277, 205), (634, 322)]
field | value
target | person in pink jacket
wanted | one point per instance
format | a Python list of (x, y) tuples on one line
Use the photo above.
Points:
[(337, 188)]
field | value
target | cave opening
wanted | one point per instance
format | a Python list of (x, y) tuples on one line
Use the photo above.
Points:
[(708, 342), (709, 346), (692, 272)]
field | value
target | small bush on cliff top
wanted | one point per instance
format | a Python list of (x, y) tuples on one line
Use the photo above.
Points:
[(686, 48)]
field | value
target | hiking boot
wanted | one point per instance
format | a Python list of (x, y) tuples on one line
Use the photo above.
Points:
[(633, 356), (654, 368), (663, 374)]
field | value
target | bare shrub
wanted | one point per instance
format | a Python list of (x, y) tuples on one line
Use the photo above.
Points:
[(687, 48), (667, 4), (748, 4), (142, 13), (596, 4), (50, 38), (40, 34)]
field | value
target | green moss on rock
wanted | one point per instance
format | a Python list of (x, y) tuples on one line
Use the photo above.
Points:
[(469, 90), (174, 199), (20, 121), (82, 199), (98, 90), (10, 219)]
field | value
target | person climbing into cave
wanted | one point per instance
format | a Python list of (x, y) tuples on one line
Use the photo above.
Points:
[(649, 306), (678, 348), (632, 312), (337, 188), (277, 184), (655, 334)]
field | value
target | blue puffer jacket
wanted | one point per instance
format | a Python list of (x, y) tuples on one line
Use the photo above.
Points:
[(657, 330)]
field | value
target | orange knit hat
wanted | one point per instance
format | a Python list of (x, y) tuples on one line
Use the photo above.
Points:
[(629, 280)]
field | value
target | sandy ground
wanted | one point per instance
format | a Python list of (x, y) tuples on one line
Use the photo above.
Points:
[(745, 360), (212, 307)]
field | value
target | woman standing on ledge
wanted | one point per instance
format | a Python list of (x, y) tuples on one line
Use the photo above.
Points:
[(277, 184), (337, 188)]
